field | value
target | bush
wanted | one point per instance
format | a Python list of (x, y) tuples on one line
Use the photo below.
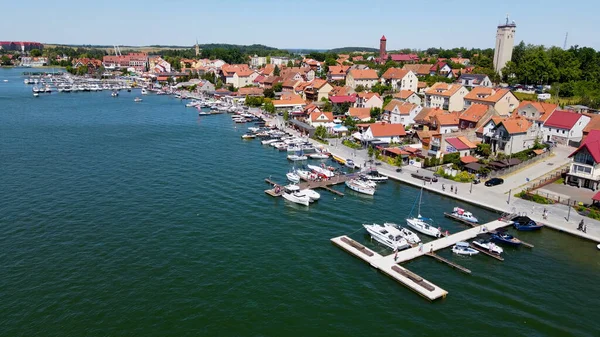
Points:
[(534, 197), (351, 144)]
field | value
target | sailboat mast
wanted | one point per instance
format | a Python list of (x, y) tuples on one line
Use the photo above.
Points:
[(420, 198)]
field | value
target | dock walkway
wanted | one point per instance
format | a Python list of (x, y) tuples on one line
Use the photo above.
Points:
[(324, 184), (389, 264)]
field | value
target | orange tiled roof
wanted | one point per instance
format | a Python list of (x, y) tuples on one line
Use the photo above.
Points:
[(367, 74), (594, 124), (395, 73), (485, 94), (338, 70), (316, 114), (516, 124), (447, 118), (418, 69), (289, 100), (443, 89), (360, 113), (545, 109), (387, 130), (474, 113), (403, 94)]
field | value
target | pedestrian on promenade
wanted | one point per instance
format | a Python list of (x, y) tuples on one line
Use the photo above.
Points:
[(421, 247), (451, 188), (580, 227), (431, 249), (396, 254), (456, 190), (443, 187)]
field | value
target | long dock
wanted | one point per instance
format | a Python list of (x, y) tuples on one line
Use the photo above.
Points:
[(389, 264), (450, 263)]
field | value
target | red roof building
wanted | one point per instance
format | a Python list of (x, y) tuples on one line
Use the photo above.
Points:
[(562, 119), (585, 165)]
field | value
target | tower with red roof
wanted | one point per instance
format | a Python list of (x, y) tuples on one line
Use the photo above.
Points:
[(382, 49)]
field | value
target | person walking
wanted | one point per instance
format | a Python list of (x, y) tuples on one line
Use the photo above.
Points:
[(443, 187), (456, 190), (451, 188)]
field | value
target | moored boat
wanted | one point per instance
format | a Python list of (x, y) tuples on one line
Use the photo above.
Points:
[(524, 223), (293, 177), (500, 236), (464, 215), (488, 245), (360, 187), (410, 236), (387, 235), (248, 136), (420, 223), (463, 248), (297, 157), (350, 163), (293, 194), (374, 175)]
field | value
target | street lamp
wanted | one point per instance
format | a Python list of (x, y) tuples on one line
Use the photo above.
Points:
[(471, 189), (509, 193)]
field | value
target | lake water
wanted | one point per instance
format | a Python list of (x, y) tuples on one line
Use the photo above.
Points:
[(143, 219)]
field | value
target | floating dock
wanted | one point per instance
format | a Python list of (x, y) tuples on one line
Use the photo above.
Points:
[(389, 264), (324, 184)]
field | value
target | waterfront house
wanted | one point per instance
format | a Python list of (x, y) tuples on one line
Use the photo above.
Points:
[(503, 100), (27, 61), (400, 79), (408, 96), (337, 73), (289, 102), (446, 96), (475, 80), (511, 135), (361, 114), (91, 64), (368, 100), (398, 112), (537, 113), (385, 132), (318, 118), (459, 144), (158, 65), (563, 127), (250, 91), (365, 78), (585, 163), (317, 89), (205, 86), (420, 70)]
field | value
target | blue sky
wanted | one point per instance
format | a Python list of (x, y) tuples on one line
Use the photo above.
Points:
[(300, 24)]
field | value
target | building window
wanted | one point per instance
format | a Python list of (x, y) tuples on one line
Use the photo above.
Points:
[(582, 169), (563, 132)]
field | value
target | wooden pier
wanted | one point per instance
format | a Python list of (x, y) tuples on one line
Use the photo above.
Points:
[(324, 184), (486, 252), (459, 219), (450, 263), (390, 264)]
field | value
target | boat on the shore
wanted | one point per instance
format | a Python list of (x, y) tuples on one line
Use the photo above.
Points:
[(387, 235), (500, 236), (488, 245), (406, 233), (461, 214), (463, 248), (524, 223), (420, 223), (360, 187)]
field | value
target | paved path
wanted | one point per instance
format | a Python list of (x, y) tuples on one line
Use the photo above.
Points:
[(496, 197)]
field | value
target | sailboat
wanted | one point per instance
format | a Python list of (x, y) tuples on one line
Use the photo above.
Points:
[(419, 223)]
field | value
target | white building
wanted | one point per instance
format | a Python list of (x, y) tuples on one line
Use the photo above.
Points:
[(258, 61), (366, 78), (505, 40), (398, 112), (400, 79), (564, 126)]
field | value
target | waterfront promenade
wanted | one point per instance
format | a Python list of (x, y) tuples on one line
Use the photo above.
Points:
[(496, 198)]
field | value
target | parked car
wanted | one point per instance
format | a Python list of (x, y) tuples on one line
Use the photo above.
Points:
[(476, 181), (494, 182)]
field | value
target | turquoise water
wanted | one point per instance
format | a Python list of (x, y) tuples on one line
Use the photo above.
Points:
[(123, 218)]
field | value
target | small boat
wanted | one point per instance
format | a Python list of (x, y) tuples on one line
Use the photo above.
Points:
[(321, 171), (268, 141), (114, 94), (387, 235), (406, 233), (420, 223), (144, 91), (293, 177), (248, 136), (374, 175), (296, 157), (598, 246), (360, 187), (204, 113), (500, 236), (464, 215), (294, 194), (35, 94), (339, 160), (312, 194), (463, 248), (319, 155), (524, 223), (137, 99), (488, 245), (5, 81), (350, 163)]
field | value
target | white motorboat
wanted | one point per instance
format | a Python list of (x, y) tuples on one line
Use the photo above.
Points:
[(114, 94), (387, 235), (406, 233), (360, 187), (296, 157), (321, 171), (269, 141), (204, 113), (35, 94), (253, 129), (367, 182), (295, 195), (374, 175), (489, 246), (420, 223), (350, 163), (318, 155), (463, 248), (306, 175), (293, 177), (248, 136), (137, 99), (312, 194), (464, 215), (144, 91)]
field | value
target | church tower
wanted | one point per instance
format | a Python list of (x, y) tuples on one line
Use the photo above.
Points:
[(382, 49), (197, 49), (505, 41)]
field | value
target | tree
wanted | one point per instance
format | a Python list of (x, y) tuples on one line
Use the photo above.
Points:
[(370, 151), (269, 107), (484, 149), (359, 88), (290, 64), (5, 61), (276, 71), (320, 132), (35, 53), (268, 59), (277, 87), (269, 93), (398, 161), (375, 112)]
